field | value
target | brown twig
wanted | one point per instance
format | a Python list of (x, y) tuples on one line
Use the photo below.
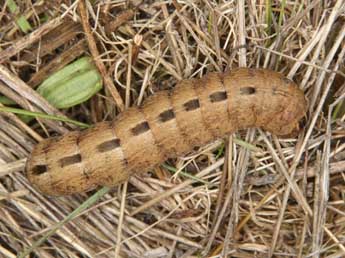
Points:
[(95, 54), (29, 39)]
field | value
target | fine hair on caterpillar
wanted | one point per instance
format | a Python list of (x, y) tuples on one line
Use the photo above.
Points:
[(167, 125)]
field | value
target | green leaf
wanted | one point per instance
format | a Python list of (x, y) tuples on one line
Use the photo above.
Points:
[(21, 21), (72, 85)]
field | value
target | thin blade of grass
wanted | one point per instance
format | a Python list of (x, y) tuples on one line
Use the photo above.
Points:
[(174, 170), (281, 14), (268, 17), (42, 115), (247, 145), (86, 204)]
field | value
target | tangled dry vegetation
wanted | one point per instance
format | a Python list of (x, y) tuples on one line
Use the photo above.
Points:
[(233, 198)]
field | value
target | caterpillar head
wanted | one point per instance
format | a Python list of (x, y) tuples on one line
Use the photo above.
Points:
[(290, 119)]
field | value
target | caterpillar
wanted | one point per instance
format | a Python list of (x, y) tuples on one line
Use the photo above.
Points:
[(168, 124)]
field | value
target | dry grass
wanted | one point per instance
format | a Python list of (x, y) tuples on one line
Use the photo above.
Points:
[(251, 195)]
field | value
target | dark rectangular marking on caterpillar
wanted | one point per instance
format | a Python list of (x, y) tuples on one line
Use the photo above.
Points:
[(108, 145), (39, 169), (166, 115), (66, 161), (218, 96), (141, 128), (247, 90), (191, 105)]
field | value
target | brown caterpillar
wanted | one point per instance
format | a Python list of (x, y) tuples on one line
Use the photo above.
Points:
[(167, 125)]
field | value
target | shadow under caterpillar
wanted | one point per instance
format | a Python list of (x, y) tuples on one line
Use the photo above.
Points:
[(168, 124)]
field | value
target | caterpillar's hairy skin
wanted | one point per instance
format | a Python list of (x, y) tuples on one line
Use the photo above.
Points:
[(167, 125)]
